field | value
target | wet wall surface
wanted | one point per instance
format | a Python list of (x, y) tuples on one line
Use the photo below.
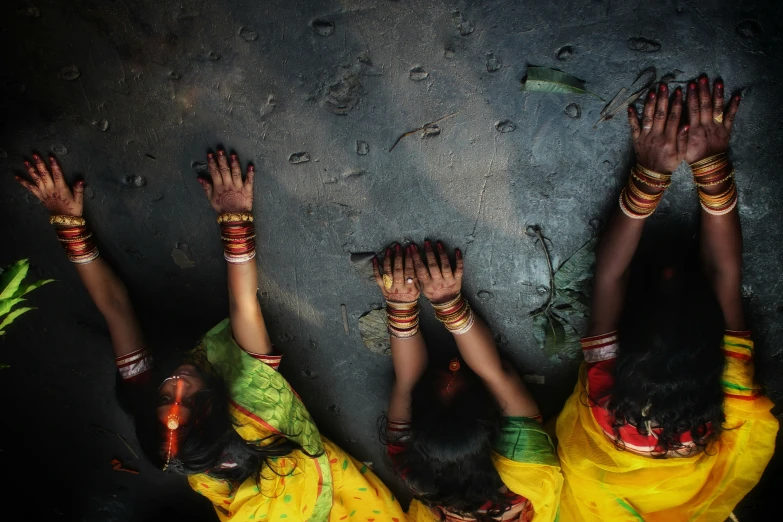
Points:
[(130, 94)]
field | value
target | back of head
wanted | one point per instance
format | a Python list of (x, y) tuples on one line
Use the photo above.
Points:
[(668, 369), (208, 442), (454, 423)]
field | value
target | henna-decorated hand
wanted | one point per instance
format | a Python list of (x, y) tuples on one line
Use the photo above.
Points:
[(708, 136), (405, 287), (52, 189), (438, 283), (227, 191), (660, 141)]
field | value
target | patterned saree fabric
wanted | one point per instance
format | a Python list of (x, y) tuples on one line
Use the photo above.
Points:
[(605, 484), (525, 459), (298, 487)]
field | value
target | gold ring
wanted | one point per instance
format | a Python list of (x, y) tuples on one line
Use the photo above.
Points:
[(387, 281), (719, 118)]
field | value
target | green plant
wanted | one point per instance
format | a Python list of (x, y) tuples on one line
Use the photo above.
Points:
[(12, 293)]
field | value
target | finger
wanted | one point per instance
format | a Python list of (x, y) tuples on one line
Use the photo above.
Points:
[(649, 110), (249, 177), (33, 174), (377, 273), (29, 187), (225, 172), (214, 173), (57, 173), (675, 114), (387, 262), (78, 195), (705, 101), (236, 171), (717, 98), (432, 263), (633, 119), (43, 171), (728, 119), (693, 105), (460, 265), (422, 274), (207, 186), (661, 109), (445, 265), (410, 274), (398, 277), (682, 139)]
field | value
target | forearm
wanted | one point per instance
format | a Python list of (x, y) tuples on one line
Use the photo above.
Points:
[(478, 350), (247, 320), (409, 356), (721, 254)]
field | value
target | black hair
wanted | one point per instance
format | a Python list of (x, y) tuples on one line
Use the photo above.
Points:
[(447, 461), (208, 443), (667, 373)]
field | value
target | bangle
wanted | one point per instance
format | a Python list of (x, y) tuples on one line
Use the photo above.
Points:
[(61, 219), (456, 315), (402, 319), (235, 217), (76, 239)]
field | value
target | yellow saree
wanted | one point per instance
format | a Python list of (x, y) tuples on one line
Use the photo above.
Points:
[(331, 487), (608, 485)]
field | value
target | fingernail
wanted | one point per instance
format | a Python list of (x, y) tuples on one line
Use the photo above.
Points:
[(678, 92), (427, 243), (80, 183), (440, 245), (221, 153), (375, 261), (692, 86), (26, 163), (458, 253), (686, 128), (719, 84), (703, 80), (251, 168), (662, 87), (233, 156), (738, 97), (651, 95), (388, 252), (630, 109), (397, 248)]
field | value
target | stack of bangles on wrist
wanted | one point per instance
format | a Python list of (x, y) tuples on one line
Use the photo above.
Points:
[(76, 238), (456, 315), (402, 319), (711, 172), (238, 235), (635, 202)]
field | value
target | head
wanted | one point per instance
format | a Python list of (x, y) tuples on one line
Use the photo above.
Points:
[(204, 439), (668, 370), (454, 422)]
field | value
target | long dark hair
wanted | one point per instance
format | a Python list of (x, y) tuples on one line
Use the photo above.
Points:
[(669, 364), (208, 443), (447, 461)]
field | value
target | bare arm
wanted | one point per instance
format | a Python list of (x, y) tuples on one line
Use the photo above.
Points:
[(229, 193), (106, 289), (409, 354), (721, 235), (659, 143), (441, 284)]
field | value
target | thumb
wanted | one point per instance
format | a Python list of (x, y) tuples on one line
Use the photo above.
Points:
[(682, 139), (78, 195), (207, 186)]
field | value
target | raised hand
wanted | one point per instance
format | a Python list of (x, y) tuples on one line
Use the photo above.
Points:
[(710, 128), (51, 188), (227, 191), (660, 140), (399, 283), (438, 282)]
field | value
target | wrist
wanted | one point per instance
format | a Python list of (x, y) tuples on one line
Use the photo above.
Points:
[(75, 237), (402, 319), (456, 315), (238, 235)]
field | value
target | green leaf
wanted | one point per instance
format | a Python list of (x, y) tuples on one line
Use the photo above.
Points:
[(542, 79), (26, 289), (13, 315), (571, 302), (577, 268), (4, 366), (7, 304), (549, 332), (12, 278)]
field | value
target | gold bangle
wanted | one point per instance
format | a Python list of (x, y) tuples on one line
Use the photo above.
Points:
[(234, 217), (706, 161), (713, 183), (662, 186), (628, 213), (652, 174), (448, 304), (63, 220)]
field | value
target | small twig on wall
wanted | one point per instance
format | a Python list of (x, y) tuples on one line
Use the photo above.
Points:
[(118, 436), (420, 128)]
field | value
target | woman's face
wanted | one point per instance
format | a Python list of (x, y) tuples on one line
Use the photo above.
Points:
[(192, 382)]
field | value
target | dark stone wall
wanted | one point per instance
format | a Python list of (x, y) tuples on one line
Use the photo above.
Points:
[(131, 93)]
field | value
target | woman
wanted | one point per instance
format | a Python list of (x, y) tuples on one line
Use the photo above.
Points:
[(464, 435), (223, 416), (653, 431)]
